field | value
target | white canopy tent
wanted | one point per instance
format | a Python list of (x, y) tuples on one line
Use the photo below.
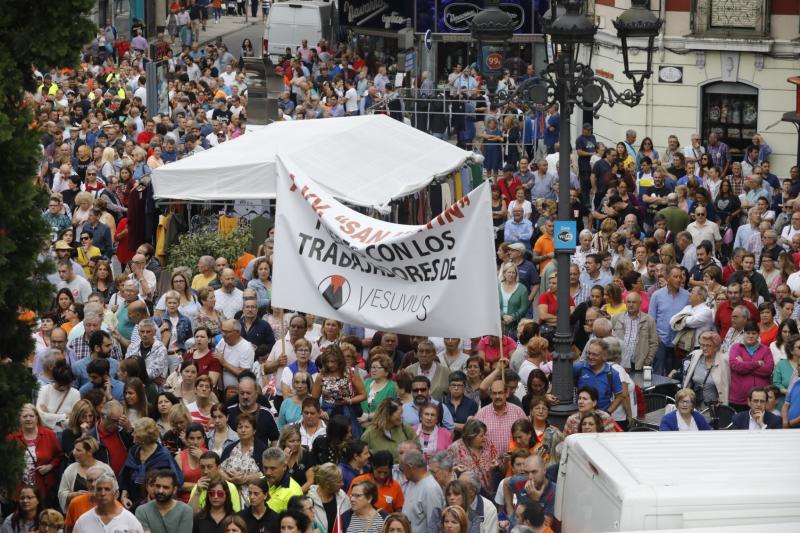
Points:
[(366, 160)]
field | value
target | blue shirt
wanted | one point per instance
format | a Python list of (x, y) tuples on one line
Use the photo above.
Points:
[(793, 399), (584, 375), (467, 408), (663, 306), (117, 389), (518, 232), (411, 415), (82, 376)]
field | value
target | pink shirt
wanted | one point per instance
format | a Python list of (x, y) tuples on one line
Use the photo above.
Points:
[(493, 352), (498, 426)]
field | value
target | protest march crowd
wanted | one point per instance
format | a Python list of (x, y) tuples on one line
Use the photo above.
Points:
[(199, 407)]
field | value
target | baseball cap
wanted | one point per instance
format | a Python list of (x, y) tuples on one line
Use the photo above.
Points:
[(587, 126), (518, 246), (508, 167), (62, 245)]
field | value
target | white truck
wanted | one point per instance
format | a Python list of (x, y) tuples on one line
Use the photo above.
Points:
[(291, 22), (679, 480)]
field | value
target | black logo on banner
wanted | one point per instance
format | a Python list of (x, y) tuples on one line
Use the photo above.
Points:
[(336, 290)]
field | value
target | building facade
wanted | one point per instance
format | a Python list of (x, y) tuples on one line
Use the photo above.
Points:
[(721, 66)]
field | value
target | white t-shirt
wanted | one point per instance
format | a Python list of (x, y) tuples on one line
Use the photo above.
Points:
[(228, 77), (351, 104), (89, 522), (619, 412), (79, 288), (240, 355), (229, 303)]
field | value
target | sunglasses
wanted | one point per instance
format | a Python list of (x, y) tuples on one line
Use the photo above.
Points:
[(216, 493), (86, 238)]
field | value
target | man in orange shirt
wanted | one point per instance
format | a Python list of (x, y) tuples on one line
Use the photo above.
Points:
[(545, 249), (390, 494), (84, 502)]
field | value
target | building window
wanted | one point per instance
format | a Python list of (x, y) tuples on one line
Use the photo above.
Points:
[(724, 18), (731, 111)]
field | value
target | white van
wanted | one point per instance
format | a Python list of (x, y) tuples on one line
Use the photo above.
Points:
[(289, 23), (678, 480)]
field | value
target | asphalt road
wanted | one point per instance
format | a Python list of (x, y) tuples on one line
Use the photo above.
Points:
[(253, 32)]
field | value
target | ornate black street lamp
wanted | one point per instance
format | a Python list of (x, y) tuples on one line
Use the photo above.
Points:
[(569, 82)]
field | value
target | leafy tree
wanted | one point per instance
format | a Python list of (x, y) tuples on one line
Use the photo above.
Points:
[(44, 34)]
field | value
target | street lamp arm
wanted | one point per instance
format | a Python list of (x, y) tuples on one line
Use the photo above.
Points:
[(584, 90)]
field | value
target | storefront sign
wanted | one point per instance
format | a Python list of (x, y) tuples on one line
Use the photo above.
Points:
[(335, 262), (455, 16), (428, 40), (670, 74), (383, 14), (458, 16)]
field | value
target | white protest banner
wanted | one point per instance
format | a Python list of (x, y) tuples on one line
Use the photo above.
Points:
[(437, 280)]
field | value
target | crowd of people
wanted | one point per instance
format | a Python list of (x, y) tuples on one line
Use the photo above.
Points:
[(202, 407)]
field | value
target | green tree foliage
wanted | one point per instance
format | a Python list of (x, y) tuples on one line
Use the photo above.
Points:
[(44, 34), (191, 246)]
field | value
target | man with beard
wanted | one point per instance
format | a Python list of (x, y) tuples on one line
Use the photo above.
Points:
[(164, 514)]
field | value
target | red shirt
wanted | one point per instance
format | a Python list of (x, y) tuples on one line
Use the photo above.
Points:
[(509, 189), (117, 452), (549, 299), (492, 353), (145, 137), (207, 363), (723, 316)]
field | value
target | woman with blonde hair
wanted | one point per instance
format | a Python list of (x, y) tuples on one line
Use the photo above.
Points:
[(298, 459), (106, 218), (513, 298), (145, 454), (327, 489), (668, 256), (92, 184), (107, 164), (331, 331), (614, 304), (537, 349), (602, 238), (81, 420), (83, 204), (73, 480)]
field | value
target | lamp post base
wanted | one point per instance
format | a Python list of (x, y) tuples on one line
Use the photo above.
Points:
[(560, 412)]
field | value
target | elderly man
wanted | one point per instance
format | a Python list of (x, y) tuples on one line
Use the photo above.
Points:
[(205, 268), (79, 347), (527, 272), (518, 229), (281, 485), (595, 372), (234, 353), (601, 328), (739, 318), (700, 315), (107, 515), (256, 330), (665, 303), (424, 499), (481, 512), (677, 218), (499, 416), (130, 313), (151, 351), (144, 279), (427, 366), (114, 441), (229, 298), (266, 428), (637, 331)]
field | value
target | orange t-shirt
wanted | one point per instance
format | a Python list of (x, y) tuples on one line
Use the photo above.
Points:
[(390, 495), (77, 508), (544, 245), (242, 263)]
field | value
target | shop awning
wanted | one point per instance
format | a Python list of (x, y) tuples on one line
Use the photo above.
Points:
[(366, 160)]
